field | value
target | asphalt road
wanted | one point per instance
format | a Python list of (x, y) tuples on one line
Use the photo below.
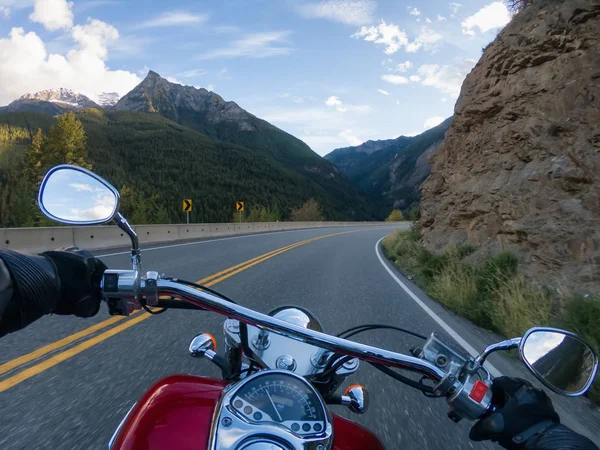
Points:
[(77, 403)]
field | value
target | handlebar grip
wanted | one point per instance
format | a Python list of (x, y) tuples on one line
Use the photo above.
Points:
[(178, 304)]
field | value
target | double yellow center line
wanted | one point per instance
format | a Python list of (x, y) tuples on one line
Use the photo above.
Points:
[(69, 353)]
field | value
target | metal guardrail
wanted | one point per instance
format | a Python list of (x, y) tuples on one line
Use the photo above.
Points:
[(109, 236)]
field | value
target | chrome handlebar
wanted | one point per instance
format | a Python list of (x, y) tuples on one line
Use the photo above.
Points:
[(123, 290), (332, 343)]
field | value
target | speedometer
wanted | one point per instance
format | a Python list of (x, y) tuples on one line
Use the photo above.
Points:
[(283, 399)]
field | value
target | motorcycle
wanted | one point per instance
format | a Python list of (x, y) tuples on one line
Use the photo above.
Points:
[(280, 371)]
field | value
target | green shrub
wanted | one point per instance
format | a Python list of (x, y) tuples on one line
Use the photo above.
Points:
[(454, 285), (493, 295), (495, 271), (517, 307)]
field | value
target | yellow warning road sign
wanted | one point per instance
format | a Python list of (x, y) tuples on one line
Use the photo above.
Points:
[(187, 205), (239, 206)]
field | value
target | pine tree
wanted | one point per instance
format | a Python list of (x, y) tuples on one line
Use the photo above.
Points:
[(32, 161), (65, 143)]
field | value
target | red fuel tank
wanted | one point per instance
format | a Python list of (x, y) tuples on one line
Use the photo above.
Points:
[(177, 413)]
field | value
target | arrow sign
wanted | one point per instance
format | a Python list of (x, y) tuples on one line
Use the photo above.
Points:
[(239, 206), (187, 205)]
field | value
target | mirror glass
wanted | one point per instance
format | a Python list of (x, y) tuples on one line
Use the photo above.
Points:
[(563, 361), (72, 196)]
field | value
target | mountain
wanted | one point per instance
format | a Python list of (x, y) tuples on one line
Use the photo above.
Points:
[(367, 147), (391, 171), (226, 121), (208, 113), (51, 102), (519, 170), (351, 159), (199, 115)]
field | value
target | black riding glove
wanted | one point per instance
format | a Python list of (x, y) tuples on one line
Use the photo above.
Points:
[(60, 282), (80, 275), (519, 407)]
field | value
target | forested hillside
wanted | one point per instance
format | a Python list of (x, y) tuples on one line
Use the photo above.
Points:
[(391, 174), (156, 163)]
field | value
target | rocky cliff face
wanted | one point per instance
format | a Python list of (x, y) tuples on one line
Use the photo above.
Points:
[(520, 165)]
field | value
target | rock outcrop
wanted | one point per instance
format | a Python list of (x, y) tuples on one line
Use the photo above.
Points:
[(520, 166)]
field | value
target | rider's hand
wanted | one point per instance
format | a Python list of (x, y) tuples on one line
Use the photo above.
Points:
[(519, 406), (80, 275)]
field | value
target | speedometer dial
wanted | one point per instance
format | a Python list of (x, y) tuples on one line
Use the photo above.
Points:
[(282, 399)]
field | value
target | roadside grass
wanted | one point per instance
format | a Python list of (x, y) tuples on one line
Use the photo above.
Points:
[(493, 295)]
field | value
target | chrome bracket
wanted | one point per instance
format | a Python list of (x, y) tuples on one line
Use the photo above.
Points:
[(151, 290)]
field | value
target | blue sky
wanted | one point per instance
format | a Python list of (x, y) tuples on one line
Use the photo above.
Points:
[(332, 72)]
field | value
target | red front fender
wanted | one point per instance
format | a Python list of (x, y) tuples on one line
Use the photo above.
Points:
[(176, 414)]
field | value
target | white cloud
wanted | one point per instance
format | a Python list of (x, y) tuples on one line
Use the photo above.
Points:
[(349, 137), (494, 15), (298, 100), (441, 18), (427, 40), (4, 11), (81, 187), (94, 37), (191, 73), (173, 18), (256, 45), (428, 20), (389, 35), (414, 11), (448, 79), (211, 87), (394, 79), (340, 106), (53, 14), (381, 91), (91, 4), (171, 79), (415, 78), (433, 122), (454, 7), (403, 67), (349, 12), (333, 101), (444, 99), (394, 38), (25, 65)]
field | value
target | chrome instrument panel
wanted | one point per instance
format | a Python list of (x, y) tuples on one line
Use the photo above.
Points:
[(281, 352), (239, 424)]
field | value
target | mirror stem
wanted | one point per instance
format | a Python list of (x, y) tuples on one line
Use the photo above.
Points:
[(509, 344), (135, 246)]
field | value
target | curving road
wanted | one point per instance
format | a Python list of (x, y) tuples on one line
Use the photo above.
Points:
[(73, 392)]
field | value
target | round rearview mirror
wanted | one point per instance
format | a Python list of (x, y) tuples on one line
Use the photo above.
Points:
[(76, 196), (560, 360)]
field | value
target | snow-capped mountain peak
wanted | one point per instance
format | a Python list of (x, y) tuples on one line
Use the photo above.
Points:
[(104, 99), (62, 96)]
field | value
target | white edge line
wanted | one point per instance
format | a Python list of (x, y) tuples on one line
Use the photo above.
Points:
[(463, 343)]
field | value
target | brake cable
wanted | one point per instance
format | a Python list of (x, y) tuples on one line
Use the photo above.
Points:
[(361, 328)]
